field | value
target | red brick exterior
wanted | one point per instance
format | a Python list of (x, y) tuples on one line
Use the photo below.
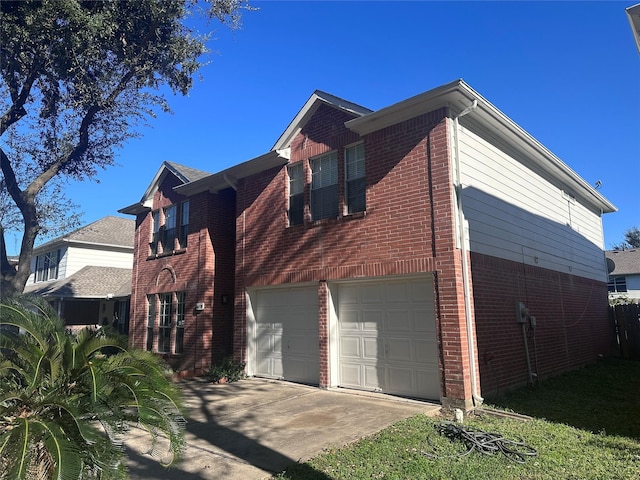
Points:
[(204, 270), (240, 240), (408, 228), (571, 328)]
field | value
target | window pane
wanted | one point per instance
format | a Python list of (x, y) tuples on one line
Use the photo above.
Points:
[(164, 322), (155, 228), (324, 170), (356, 195), (324, 202), (296, 194), (151, 320), (324, 186), (184, 225)]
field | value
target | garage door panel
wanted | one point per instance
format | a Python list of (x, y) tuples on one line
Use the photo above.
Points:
[(372, 349), (287, 334), (372, 379), (371, 320), (351, 374), (399, 320), (398, 349), (350, 346)]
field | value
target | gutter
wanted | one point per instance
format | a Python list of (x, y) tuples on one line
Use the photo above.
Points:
[(477, 399)]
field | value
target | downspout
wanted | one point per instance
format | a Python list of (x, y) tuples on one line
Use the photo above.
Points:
[(477, 399)]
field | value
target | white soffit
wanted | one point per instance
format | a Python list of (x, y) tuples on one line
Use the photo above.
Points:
[(457, 96)]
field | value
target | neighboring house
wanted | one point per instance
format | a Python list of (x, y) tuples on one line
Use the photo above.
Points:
[(430, 249), (86, 274), (624, 274)]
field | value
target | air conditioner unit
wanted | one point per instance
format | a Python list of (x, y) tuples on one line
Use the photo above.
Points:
[(199, 306)]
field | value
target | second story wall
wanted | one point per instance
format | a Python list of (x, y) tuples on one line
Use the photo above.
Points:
[(516, 212), (392, 231)]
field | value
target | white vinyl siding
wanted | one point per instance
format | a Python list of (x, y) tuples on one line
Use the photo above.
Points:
[(515, 213), (79, 257)]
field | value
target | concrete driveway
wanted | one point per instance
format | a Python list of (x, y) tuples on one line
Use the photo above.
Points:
[(254, 428)]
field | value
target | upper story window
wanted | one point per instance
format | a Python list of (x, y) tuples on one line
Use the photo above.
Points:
[(155, 231), (324, 186), (617, 284), (170, 228), (355, 191), (47, 266), (296, 193), (184, 224), (169, 231)]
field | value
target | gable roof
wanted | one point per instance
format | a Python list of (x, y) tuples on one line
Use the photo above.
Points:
[(623, 262), (316, 99), (108, 231), (457, 96), (181, 172), (279, 153), (88, 282)]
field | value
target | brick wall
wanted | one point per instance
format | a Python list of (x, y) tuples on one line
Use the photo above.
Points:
[(571, 312), (407, 228), (204, 270)]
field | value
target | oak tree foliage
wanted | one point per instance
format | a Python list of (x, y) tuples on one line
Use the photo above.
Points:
[(77, 79)]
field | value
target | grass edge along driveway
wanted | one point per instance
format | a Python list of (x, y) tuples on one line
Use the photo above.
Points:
[(586, 425)]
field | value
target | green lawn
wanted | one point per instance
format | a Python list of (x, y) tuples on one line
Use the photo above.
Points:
[(586, 426)]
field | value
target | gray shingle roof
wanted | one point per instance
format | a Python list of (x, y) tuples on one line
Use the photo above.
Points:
[(625, 262), (110, 230), (184, 173), (88, 282)]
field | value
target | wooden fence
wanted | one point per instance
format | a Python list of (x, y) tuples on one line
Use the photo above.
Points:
[(626, 319)]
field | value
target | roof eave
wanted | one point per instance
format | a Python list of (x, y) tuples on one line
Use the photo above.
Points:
[(457, 96), (633, 14), (228, 178)]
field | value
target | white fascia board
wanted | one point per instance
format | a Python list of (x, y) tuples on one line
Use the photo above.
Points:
[(226, 178), (308, 109), (457, 96), (633, 14)]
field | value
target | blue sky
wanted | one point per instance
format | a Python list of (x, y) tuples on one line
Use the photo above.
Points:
[(567, 72)]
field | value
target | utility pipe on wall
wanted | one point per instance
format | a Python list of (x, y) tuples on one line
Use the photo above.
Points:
[(477, 399)]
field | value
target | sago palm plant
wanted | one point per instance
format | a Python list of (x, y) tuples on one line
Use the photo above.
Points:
[(67, 400)]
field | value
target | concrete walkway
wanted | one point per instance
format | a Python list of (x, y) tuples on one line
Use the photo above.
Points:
[(254, 428)]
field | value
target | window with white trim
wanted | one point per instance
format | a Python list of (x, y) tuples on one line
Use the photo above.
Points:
[(164, 322), (169, 228), (324, 186), (169, 233), (355, 191), (166, 315), (617, 284), (155, 231), (151, 320), (47, 266), (296, 193)]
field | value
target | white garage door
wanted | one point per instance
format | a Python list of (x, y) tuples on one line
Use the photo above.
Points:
[(387, 337), (287, 334)]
